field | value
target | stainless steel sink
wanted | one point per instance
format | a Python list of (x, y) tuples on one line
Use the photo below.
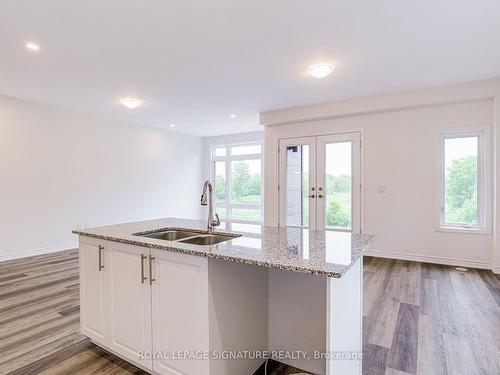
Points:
[(187, 236), (169, 235), (207, 239)]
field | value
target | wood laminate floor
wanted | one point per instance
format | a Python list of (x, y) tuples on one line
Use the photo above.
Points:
[(429, 319), (39, 320), (418, 319)]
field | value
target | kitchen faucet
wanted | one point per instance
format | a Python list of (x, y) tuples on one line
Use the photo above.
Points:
[(212, 221)]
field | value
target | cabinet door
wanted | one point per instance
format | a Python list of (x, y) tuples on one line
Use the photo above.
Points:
[(129, 301), (180, 311), (93, 289)]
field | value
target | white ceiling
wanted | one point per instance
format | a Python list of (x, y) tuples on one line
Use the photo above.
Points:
[(195, 62)]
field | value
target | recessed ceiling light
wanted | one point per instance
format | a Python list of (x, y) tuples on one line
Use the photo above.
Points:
[(32, 46), (172, 125), (320, 70), (232, 115), (131, 103)]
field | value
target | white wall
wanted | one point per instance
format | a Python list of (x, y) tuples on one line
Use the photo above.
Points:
[(61, 168), (399, 133)]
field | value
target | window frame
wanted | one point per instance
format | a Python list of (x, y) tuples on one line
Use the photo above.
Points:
[(228, 158), (483, 181)]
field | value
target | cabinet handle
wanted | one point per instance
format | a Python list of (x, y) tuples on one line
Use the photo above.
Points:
[(143, 278), (101, 248), (151, 258)]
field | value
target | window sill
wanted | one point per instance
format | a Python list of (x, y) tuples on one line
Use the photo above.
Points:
[(480, 231)]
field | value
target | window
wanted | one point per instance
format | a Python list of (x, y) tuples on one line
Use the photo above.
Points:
[(464, 180), (237, 176)]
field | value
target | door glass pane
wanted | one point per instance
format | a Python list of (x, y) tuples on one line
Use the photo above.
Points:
[(460, 180), (338, 185), (220, 181), (297, 186), (246, 182)]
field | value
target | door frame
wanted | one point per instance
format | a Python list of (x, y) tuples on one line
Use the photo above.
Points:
[(279, 176)]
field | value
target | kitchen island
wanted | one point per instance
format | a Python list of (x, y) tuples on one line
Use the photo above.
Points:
[(154, 294)]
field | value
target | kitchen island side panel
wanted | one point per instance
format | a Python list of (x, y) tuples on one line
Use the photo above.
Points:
[(238, 315), (344, 312), (297, 317)]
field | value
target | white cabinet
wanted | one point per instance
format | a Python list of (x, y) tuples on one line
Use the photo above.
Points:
[(163, 304), (135, 300), (129, 301), (93, 289), (180, 311)]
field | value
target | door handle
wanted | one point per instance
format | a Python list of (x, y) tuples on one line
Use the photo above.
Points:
[(143, 278), (312, 196), (101, 266), (320, 195), (151, 258)]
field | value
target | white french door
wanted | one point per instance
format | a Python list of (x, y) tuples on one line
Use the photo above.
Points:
[(320, 184), (297, 182)]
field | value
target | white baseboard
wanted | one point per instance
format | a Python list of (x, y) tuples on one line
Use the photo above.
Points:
[(432, 259), (40, 251), (496, 270)]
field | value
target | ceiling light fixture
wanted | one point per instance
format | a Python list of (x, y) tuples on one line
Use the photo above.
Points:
[(320, 70), (232, 115), (131, 103), (32, 46), (172, 125)]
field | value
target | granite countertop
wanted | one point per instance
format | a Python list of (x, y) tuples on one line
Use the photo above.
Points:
[(327, 253)]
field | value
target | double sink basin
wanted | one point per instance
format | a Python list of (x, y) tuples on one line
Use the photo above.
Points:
[(188, 236)]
